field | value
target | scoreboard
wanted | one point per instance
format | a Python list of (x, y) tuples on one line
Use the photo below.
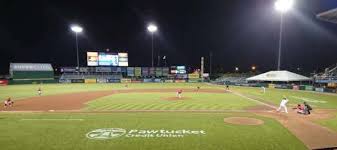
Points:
[(107, 59)]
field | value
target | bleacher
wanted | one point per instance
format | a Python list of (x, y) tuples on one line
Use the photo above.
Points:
[(328, 76), (233, 79)]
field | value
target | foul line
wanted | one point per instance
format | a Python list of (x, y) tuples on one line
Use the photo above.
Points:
[(51, 119), (257, 101)]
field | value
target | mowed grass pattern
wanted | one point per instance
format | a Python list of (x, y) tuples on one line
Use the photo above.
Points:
[(159, 101), (18, 134), (18, 92)]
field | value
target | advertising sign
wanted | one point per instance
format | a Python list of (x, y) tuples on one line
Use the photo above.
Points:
[(138, 71), (165, 71), (3, 82), (114, 80), (181, 70), (77, 80), (194, 76), (68, 69), (131, 71), (152, 71), (159, 71), (103, 69), (123, 59), (84, 69), (145, 71), (92, 58)]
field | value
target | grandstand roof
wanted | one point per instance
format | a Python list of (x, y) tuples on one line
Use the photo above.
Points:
[(282, 76), (329, 16)]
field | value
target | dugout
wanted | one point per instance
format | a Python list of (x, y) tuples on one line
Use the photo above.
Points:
[(30, 73)]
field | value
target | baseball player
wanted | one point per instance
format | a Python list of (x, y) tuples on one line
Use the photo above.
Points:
[(263, 89), (8, 103), (179, 93), (227, 87), (39, 91), (283, 104)]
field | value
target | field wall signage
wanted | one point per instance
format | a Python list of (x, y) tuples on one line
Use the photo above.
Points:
[(110, 133)]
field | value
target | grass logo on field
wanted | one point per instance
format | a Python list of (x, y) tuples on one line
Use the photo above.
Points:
[(110, 133), (107, 133)]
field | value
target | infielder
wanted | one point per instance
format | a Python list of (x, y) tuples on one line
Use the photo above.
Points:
[(39, 91), (8, 102), (179, 93)]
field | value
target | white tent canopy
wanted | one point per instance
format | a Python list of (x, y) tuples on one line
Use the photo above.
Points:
[(281, 76)]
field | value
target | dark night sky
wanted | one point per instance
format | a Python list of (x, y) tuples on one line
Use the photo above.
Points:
[(238, 32)]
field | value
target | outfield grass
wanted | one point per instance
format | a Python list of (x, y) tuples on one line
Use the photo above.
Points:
[(317, 100), (30, 90), (70, 134), (159, 101)]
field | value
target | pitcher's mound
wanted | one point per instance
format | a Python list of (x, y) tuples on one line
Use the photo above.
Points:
[(243, 121), (175, 98)]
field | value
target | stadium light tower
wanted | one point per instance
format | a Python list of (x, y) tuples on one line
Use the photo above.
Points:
[(282, 6), (152, 29), (77, 29)]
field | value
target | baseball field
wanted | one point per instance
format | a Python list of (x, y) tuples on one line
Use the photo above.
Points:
[(150, 116)]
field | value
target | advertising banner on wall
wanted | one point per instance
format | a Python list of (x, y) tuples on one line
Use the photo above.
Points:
[(113, 80), (166, 71), (101, 80), (193, 76), (68, 69), (124, 69), (145, 71), (131, 71), (103, 69), (138, 71), (84, 69), (91, 69), (119, 69), (3, 82), (152, 71), (114, 69), (159, 71), (65, 81), (181, 76), (77, 80), (92, 58), (147, 80), (125, 80), (90, 81)]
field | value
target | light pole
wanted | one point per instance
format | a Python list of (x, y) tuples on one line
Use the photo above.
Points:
[(152, 29), (282, 6), (77, 29)]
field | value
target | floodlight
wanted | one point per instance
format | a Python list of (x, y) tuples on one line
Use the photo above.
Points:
[(284, 5), (76, 29), (152, 28)]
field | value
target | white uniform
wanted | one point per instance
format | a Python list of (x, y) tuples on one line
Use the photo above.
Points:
[(283, 105), (6, 103), (264, 89)]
